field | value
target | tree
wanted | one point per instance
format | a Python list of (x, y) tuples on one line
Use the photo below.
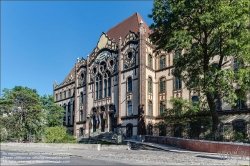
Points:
[(53, 111), (206, 30), (23, 111)]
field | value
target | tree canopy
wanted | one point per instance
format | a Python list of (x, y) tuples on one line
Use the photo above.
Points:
[(213, 36), (24, 112)]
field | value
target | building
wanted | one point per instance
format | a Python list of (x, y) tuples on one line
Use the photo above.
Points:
[(122, 86)]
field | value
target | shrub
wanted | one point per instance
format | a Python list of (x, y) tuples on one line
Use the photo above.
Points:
[(54, 134)]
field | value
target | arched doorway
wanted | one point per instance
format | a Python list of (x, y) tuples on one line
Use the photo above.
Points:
[(129, 130), (95, 119), (112, 119), (102, 119)]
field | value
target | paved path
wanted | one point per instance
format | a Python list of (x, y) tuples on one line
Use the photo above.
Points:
[(136, 157)]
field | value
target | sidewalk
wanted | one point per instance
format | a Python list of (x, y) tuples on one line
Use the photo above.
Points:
[(241, 160)]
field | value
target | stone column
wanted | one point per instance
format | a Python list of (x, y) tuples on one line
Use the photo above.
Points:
[(141, 130), (119, 122)]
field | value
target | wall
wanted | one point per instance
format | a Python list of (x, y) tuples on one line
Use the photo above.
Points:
[(204, 146)]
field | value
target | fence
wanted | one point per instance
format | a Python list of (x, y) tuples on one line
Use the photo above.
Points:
[(226, 133)]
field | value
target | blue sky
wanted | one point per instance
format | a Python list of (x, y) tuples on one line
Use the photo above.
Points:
[(40, 41)]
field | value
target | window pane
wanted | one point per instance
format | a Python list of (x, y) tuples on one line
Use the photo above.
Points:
[(129, 108), (129, 84)]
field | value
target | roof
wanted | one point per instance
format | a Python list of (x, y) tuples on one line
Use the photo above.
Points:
[(129, 24), (72, 72)]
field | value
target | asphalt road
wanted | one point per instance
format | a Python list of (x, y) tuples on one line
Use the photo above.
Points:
[(32, 158)]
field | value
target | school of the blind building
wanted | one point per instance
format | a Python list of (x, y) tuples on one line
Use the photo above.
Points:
[(123, 87)]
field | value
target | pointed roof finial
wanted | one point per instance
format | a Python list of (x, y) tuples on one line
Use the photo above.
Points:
[(141, 22), (78, 59)]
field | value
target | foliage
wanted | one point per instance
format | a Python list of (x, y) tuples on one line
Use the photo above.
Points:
[(21, 112), (207, 31), (183, 112), (54, 134), (58, 134), (54, 112)]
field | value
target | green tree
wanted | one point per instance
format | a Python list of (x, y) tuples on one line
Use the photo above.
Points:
[(21, 111), (54, 112), (206, 29)]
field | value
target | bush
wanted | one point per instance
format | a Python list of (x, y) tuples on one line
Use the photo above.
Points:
[(54, 134), (68, 139), (58, 135)]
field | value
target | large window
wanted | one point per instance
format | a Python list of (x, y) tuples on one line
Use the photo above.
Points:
[(177, 83), (150, 84), (162, 107), (130, 108), (162, 85), (98, 87), (107, 85), (162, 61), (60, 95), (56, 97), (130, 84), (150, 60), (150, 108)]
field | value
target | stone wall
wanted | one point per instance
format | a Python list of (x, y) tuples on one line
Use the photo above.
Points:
[(201, 145)]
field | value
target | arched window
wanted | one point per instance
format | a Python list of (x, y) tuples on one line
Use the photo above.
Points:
[(109, 84), (150, 84), (162, 107), (130, 109), (98, 87), (177, 83), (162, 85), (195, 100), (129, 84), (150, 108), (105, 85), (162, 61), (150, 60)]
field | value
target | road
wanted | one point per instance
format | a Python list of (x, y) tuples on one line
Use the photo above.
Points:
[(58, 156)]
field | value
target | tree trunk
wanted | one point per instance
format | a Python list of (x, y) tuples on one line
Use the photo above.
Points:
[(215, 118)]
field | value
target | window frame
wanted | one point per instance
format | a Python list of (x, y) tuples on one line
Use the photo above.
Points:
[(162, 63), (129, 84), (129, 108)]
